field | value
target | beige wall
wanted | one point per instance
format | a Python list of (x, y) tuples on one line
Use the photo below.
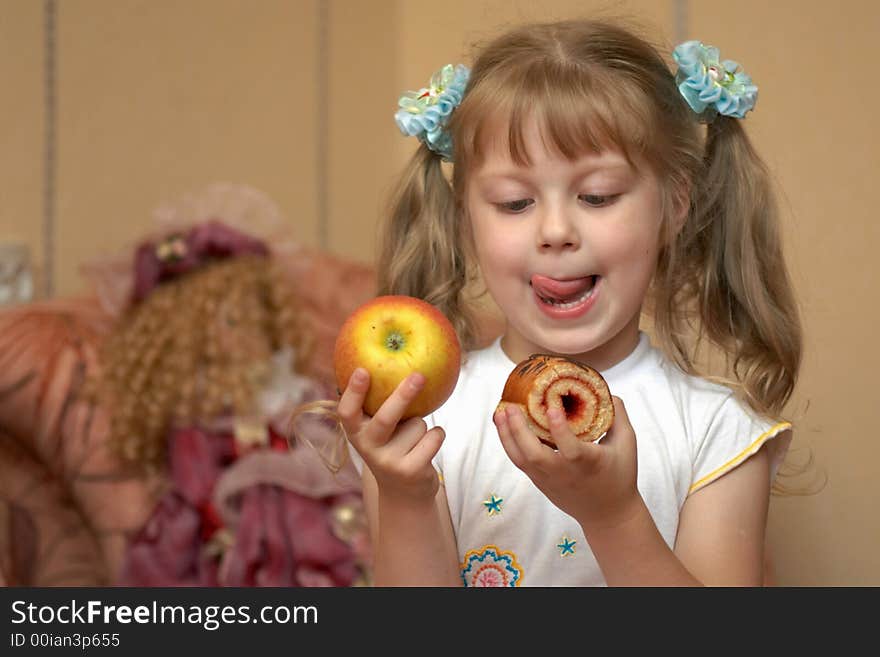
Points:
[(820, 137), (21, 123), (161, 97), (158, 98)]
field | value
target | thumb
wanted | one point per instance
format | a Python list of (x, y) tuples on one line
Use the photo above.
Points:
[(621, 432)]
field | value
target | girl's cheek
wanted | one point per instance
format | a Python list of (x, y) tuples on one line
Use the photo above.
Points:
[(625, 243)]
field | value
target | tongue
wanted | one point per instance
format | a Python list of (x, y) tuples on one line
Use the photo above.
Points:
[(560, 290)]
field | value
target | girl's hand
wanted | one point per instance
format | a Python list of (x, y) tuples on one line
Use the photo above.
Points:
[(398, 455), (595, 483)]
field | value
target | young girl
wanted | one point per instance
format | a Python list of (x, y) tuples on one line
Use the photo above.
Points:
[(586, 190)]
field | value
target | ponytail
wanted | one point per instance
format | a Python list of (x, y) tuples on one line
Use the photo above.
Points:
[(423, 250), (728, 267)]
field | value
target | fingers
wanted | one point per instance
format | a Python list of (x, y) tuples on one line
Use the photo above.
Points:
[(508, 442), (407, 435), (426, 447), (385, 420), (377, 431), (382, 425), (519, 438), (621, 418), (351, 402), (621, 434), (524, 449), (398, 454), (566, 442), (570, 446)]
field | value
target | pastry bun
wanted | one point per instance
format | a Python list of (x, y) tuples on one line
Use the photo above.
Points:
[(542, 382)]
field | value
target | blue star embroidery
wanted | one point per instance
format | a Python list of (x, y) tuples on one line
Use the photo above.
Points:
[(493, 504), (566, 547)]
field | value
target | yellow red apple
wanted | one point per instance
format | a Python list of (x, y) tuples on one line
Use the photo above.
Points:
[(391, 337)]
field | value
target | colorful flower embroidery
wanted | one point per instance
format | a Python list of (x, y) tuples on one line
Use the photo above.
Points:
[(490, 566), (493, 504)]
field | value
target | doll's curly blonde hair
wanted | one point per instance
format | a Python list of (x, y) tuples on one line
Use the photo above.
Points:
[(196, 348)]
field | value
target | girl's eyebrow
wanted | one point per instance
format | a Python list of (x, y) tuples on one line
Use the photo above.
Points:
[(501, 175), (521, 174)]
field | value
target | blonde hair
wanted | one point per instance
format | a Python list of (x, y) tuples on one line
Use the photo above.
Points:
[(594, 85), (197, 347)]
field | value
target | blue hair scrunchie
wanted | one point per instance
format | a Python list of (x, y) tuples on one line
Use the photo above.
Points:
[(425, 113), (711, 86)]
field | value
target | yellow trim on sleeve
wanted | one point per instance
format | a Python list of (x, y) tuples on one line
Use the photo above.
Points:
[(772, 432)]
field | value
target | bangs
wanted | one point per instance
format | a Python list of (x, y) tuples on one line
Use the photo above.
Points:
[(579, 111)]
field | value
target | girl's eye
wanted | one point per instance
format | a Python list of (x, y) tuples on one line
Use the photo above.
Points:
[(598, 200), (516, 206)]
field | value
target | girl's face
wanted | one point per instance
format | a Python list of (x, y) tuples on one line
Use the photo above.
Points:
[(567, 248)]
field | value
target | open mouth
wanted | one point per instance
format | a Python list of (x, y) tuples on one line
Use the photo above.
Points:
[(564, 294)]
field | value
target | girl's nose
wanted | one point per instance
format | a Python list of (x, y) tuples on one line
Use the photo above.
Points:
[(557, 230)]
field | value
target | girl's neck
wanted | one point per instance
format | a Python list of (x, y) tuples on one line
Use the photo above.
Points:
[(603, 357)]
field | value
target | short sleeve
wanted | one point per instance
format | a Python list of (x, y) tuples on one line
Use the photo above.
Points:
[(734, 434), (432, 421), (355, 458)]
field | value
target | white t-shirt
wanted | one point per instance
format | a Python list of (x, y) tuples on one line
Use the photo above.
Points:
[(689, 432)]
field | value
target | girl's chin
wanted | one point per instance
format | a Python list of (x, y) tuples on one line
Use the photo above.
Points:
[(562, 343)]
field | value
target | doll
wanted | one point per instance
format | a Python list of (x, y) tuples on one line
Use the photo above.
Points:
[(199, 377)]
